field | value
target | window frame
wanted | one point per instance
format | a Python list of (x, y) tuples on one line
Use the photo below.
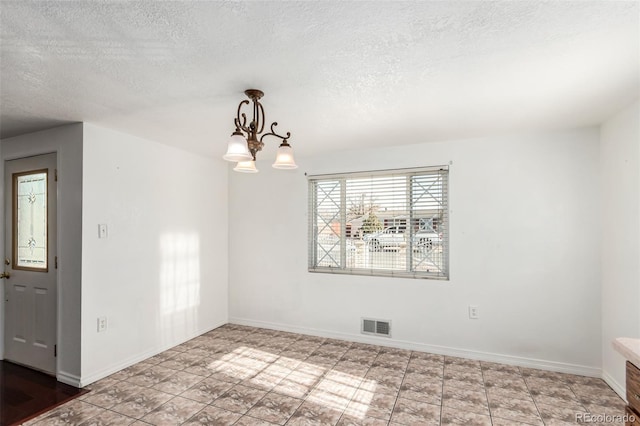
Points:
[(443, 273)]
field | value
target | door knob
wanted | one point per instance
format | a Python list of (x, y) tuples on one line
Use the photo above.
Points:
[(6, 275), (7, 261)]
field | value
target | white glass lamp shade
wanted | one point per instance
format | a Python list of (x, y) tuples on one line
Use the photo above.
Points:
[(237, 150), (246, 167), (284, 157)]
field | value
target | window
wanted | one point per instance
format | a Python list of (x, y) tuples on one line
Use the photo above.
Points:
[(391, 223), (30, 221)]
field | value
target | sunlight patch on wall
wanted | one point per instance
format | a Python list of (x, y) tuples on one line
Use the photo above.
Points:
[(179, 272)]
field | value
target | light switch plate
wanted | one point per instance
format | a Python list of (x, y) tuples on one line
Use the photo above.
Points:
[(102, 324)]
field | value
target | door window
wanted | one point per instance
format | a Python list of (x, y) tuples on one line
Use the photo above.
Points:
[(30, 220)]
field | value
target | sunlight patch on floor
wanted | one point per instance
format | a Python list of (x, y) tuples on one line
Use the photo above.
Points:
[(327, 388)]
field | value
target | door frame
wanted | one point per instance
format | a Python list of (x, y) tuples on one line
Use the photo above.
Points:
[(3, 160)]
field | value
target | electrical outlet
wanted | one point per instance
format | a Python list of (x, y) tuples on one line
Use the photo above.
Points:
[(102, 324), (474, 312), (102, 230)]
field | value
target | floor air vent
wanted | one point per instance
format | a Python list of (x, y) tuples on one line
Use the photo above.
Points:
[(376, 327)]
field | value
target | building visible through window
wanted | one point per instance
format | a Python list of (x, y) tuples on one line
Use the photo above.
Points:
[(392, 223)]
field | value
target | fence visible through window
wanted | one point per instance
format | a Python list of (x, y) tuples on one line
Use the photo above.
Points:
[(381, 223)]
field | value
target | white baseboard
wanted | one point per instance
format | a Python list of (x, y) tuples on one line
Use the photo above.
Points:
[(87, 379), (617, 387), (560, 367), (68, 378)]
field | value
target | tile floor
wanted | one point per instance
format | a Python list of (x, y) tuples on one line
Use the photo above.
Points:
[(236, 375)]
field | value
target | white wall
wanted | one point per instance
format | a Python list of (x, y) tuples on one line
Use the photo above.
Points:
[(620, 162), (160, 277), (67, 142), (525, 247)]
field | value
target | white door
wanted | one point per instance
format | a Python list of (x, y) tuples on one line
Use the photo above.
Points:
[(30, 320)]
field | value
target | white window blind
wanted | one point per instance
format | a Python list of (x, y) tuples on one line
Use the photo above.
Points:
[(391, 223)]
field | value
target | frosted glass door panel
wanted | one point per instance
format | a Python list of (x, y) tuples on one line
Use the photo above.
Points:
[(30, 221)]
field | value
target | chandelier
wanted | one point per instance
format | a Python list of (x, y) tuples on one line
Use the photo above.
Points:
[(244, 143)]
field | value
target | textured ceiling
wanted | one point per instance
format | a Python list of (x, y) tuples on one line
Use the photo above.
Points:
[(335, 74)]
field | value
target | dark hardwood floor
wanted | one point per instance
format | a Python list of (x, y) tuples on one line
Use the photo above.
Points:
[(24, 393)]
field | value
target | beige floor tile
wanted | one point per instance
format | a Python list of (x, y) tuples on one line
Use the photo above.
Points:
[(174, 412), (464, 399), (74, 412), (501, 383), (150, 376), (178, 383), (497, 421), (554, 389), (239, 399), (421, 390), (573, 404), (207, 390), (494, 393), (102, 384), (555, 412), (113, 395), (494, 366), (347, 420), (108, 418), (371, 404), (409, 412), (459, 384), (252, 421), (454, 416), (275, 408), (143, 403), (616, 409), (493, 375), (515, 410), (452, 360), (474, 376), (210, 415), (310, 413), (292, 388)]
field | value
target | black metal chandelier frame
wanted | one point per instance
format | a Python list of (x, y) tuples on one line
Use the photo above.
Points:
[(255, 127)]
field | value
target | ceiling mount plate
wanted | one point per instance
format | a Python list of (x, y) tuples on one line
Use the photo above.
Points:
[(254, 94)]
